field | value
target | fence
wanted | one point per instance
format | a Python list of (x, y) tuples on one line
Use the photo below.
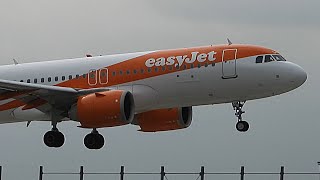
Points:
[(162, 174)]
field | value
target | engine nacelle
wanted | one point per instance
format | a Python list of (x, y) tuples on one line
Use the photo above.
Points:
[(104, 109), (164, 119)]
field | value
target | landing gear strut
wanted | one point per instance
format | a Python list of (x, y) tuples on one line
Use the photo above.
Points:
[(94, 140), (54, 138), (241, 125)]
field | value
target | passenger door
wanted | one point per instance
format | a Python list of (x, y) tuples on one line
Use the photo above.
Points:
[(229, 63)]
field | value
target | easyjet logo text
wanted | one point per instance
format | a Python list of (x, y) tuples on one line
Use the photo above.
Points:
[(179, 60)]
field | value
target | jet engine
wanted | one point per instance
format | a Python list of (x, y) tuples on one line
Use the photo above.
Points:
[(103, 109), (164, 119)]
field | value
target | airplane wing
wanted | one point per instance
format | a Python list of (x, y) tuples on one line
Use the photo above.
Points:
[(22, 86), (42, 97)]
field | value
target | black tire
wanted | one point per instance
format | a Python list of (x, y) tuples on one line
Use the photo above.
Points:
[(53, 139), (242, 126), (93, 141), (89, 141), (100, 143), (60, 139)]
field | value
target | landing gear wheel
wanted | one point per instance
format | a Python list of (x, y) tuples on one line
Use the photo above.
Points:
[(242, 126), (53, 139), (94, 141)]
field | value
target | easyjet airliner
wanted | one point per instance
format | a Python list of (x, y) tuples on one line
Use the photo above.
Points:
[(155, 90)]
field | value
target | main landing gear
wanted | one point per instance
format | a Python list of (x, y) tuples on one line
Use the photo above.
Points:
[(94, 140), (54, 138), (241, 125)]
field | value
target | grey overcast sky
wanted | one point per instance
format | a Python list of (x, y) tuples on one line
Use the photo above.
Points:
[(284, 129)]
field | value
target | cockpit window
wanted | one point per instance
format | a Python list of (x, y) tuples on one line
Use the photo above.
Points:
[(259, 59), (278, 57), (268, 58)]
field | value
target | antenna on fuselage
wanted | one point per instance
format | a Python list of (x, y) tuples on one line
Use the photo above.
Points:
[(229, 41), (15, 61)]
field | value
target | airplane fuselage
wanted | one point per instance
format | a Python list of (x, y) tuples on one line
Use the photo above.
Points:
[(168, 78)]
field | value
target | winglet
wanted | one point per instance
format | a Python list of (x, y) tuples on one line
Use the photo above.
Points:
[(229, 41), (28, 123)]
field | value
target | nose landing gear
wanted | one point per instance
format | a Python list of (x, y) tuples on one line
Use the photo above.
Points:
[(241, 125)]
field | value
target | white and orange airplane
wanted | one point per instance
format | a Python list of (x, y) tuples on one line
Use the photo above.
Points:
[(154, 90)]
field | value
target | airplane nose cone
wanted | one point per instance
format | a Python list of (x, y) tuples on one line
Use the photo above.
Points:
[(299, 76)]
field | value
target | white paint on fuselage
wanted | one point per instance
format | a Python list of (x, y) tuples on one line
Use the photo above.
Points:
[(205, 85), (60, 68)]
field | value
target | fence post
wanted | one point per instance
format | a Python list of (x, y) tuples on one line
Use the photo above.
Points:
[(122, 173), (81, 172), (40, 173), (282, 173), (202, 173), (0, 172), (162, 173), (242, 173)]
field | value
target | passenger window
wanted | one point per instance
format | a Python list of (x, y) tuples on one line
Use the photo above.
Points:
[(191, 66), (77, 76), (28, 81), (259, 59), (63, 78), (84, 75), (128, 72), (134, 71), (213, 64), (170, 68), (163, 68), (35, 80), (156, 69), (268, 58), (149, 70), (113, 73), (184, 66), (199, 65), (49, 79), (42, 80), (177, 67), (120, 72), (70, 77), (56, 78), (206, 64), (142, 71)]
